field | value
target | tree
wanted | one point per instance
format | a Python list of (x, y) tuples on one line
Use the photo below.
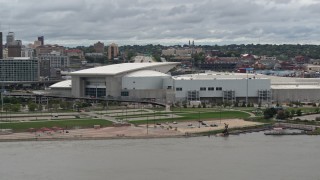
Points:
[(32, 106), (299, 112), (15, 107), (55, 106), (40, 108), (130, 54), (157, 57), (204, 105), (63, 104), (287, 113), (292, 113), (236, 104), (281, 115), (243, 104), (269, 113), (6, 107)]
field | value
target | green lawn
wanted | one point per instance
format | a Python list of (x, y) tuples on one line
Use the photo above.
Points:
[(176, 109), (151, 115), (24, 126), (260, 119), (197, 116), (303, 109)]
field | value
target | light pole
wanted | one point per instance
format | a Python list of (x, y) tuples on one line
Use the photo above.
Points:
[(220, 114), (171, 115), (126, 113), (147, 125), (154, 117), (1, 105), (199, 118), (247, 89), (96, 93)]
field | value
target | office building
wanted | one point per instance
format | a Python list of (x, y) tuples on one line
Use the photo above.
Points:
[(19, 69), (113, 51), (56, 59), (27, 52), (98, 47), (41, 39), (14, 50), (47, 49), (10, 39)]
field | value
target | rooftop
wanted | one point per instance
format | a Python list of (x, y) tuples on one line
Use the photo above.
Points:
[(17, 58), (62, 84), (146, 73), (216, 75), (120, 68), (317, 87)]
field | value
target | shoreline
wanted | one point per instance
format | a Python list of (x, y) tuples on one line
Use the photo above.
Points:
[(167, 130)]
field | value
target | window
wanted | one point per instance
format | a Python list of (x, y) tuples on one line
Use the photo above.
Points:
[(210, 88), (219, 88), (95, 92), (124, 93), (203, 88), (169, 87), (179, 89)]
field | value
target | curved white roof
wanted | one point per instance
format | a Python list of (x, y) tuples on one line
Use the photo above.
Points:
[(62, 84), (146, 73), (296, 87), (121, 68)]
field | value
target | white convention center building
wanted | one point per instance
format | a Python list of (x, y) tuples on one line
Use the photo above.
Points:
[(151, 81)]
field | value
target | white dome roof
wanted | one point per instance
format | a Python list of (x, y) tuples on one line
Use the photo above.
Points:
[(147, 73), (62, 84)]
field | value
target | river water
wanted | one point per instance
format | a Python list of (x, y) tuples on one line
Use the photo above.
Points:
[(245, 157)]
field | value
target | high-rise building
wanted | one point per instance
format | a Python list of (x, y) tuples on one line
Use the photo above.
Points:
[(27, 52), (98, 47), (14, 50), (113, 51), (5, 53), (47, 49), (41, 39), (56, 60), (1, 46), (19, 69), (10, 39), (36, 44)]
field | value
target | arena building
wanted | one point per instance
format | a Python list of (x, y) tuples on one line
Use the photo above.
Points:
[(150, 81)]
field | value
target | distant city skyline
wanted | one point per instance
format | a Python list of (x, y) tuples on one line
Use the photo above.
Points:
[(167, 22)]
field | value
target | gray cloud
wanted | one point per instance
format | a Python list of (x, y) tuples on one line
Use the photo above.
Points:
[(83, 22)]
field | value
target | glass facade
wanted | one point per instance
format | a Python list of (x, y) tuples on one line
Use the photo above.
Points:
[(19, 70), (56, 61), (95, 92), (124, 93)]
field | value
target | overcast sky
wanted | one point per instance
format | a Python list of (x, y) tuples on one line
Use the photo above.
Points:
[(83, 22)]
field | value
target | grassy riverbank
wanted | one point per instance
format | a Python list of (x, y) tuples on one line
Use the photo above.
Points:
[(231, 130), (197, 116), (67, 124)]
